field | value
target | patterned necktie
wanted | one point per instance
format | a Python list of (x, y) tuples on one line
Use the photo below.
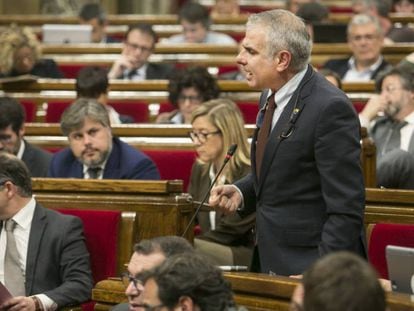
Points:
[(393, 141), (13, 275), (264, 132), (94, 172)]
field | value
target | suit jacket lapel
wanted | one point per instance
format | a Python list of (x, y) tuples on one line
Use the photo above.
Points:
[(281, 125), (39, 223)]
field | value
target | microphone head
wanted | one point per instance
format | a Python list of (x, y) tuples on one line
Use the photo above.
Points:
[(230, 152)]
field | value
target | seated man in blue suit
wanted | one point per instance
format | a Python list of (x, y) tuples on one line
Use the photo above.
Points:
[(93, 152)]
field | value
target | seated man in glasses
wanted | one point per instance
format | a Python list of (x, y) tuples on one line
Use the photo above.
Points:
[(148, 254), (133, 62), (187, 282), (365, 40)]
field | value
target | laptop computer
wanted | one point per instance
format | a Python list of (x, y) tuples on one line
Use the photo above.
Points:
[(400, 263), (329, 33), (58, 34)]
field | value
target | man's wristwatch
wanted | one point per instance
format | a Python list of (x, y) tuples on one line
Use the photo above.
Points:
[(38, 305)]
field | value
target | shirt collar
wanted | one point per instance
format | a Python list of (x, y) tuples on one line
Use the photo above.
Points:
[(24, 217), (370, 69), (21, 149), (410, 118), (283, 95)]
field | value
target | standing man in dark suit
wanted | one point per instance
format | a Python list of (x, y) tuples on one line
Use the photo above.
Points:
[(365, 40), (45, 249), (133, 62), (12, 116), (93, 152), (306, 184)]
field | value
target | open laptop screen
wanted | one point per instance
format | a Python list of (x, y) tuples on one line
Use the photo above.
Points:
[(58, 34), (400, 263)]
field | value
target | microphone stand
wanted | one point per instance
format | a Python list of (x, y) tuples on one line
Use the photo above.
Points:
[(229, 154)]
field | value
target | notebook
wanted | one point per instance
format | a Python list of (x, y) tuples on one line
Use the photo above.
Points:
[(400, 263), (58, 34)]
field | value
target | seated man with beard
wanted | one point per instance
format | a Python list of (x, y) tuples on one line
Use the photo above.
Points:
[(93, 152), (392, 132)]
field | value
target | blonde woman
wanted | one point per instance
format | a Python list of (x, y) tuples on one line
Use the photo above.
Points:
[(20, 54), (216, 125)]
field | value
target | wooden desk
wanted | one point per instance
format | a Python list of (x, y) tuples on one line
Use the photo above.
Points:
[(257, 292), (161, 207)]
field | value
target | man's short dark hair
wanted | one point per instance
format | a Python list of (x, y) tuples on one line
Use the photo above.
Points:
[(92, 82), (92, 10), (13, 169), (406, 76), (342, 281), (194, 12), (193, 276), (11, 113), (168, 245), (144, 28)]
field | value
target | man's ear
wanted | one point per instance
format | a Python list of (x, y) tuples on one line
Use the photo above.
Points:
[(282, 60), (186, 303)]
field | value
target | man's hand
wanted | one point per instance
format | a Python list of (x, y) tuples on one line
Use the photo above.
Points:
[(376, 104), (19, 303), (226, 198)]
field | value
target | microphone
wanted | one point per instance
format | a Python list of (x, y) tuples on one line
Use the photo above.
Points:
[(229, 154)]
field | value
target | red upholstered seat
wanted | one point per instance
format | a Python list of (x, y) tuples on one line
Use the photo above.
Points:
[(54, 111), (249, 111), (30, 109), (137, 110), (102, 244), (387, 234), (173, 164), (359, 106)]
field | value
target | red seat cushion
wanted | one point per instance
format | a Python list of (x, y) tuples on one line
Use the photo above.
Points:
[(173, 164), (101, 233), (249, 111), (387, 234), (138, 110), (30, 109), (54, 111)]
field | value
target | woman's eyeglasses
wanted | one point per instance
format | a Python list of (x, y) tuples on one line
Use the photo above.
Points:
[(201, 137)]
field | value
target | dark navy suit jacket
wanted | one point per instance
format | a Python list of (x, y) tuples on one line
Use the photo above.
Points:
[(309, 199), (125, 162), (341, 66)]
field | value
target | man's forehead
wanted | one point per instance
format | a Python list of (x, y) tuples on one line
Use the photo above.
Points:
[(142, 262)]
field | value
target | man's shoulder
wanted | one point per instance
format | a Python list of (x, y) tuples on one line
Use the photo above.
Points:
[(127, 150), (336, 62), (36, 151)]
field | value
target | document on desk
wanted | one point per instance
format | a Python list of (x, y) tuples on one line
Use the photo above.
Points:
[(4, 293)]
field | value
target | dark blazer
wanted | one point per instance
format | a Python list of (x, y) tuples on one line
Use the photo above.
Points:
[(37, 160), (57, 259), (231, 230), (44, 68), (124, 162), (309, 200), (341, 66), (159, 71)]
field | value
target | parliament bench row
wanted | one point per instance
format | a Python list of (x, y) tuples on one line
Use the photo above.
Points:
[(220, 59), (45, 99), (171, 19), (167, 144), (162, 209)]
